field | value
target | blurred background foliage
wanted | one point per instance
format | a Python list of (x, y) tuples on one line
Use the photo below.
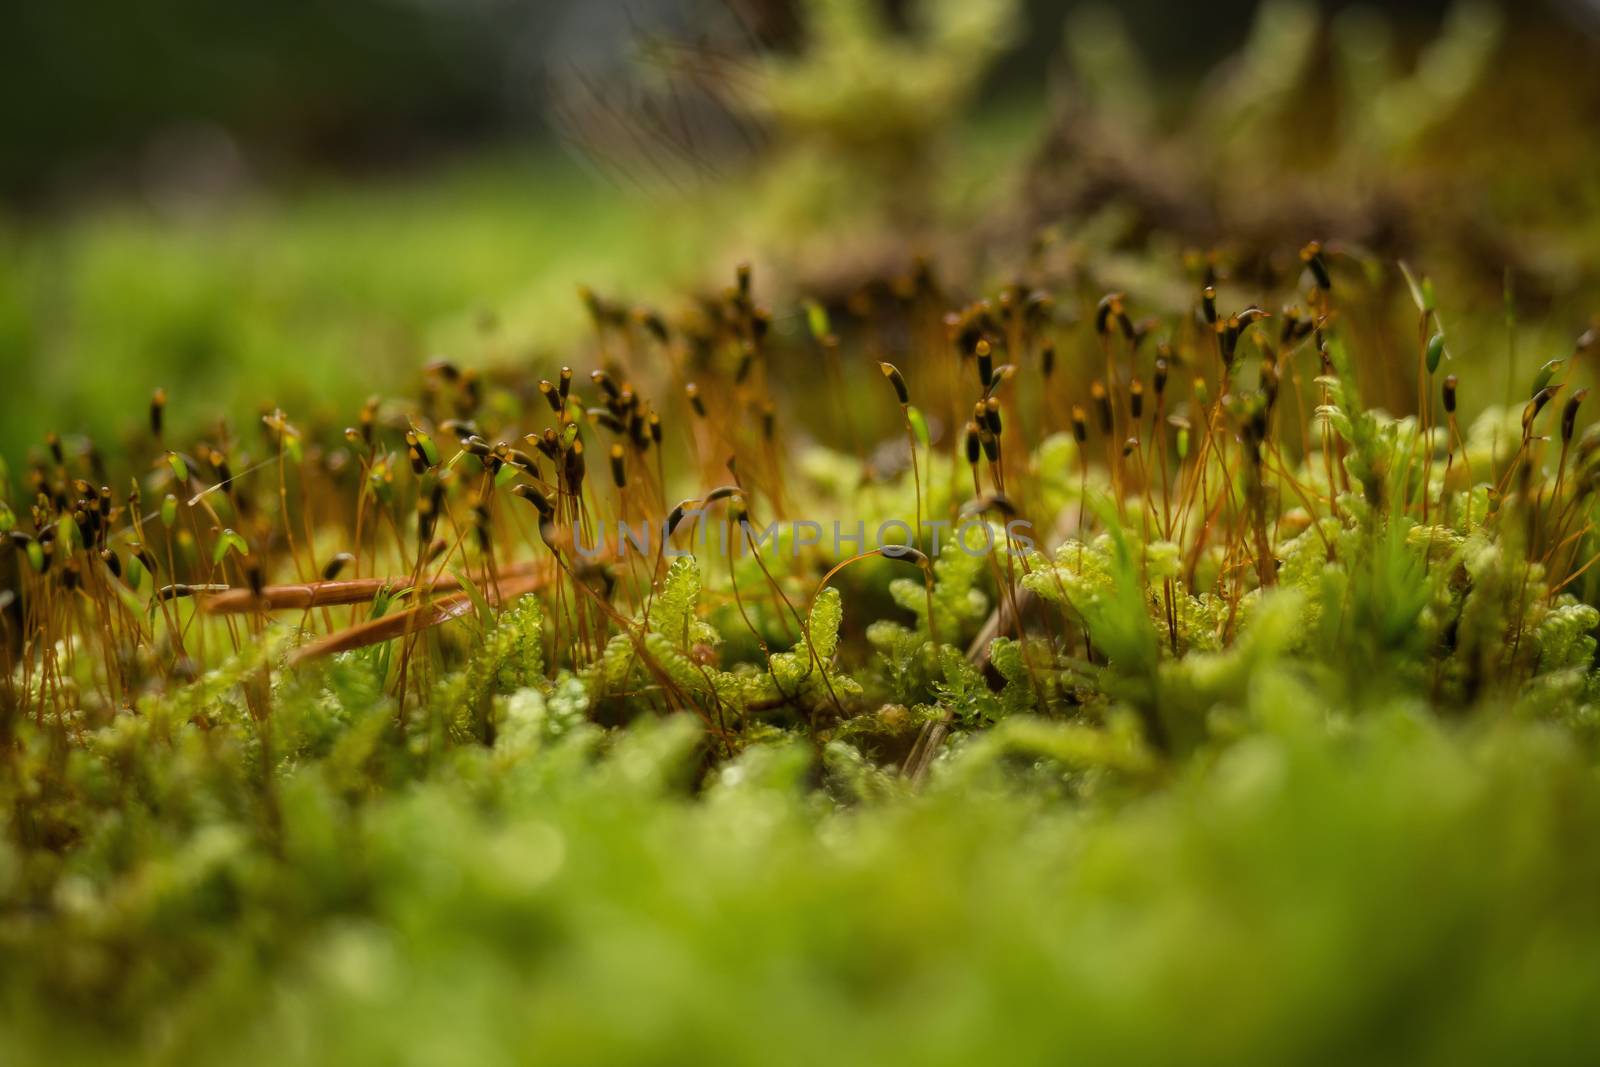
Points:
[(96, 89), (290, 206)]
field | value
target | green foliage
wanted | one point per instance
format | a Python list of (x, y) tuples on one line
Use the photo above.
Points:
[(567, 894), (660, 647), (1565, 636), (958, 604), (862, 113), (808, 674), (509, 657)]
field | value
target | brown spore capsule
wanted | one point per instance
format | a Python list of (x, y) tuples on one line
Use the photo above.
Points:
[(897, 381), (1102, 403), (619, 467), (158, 410), (1569, 415), (534, 496), (1227, 337), (552, 396), (605, 418), (576, 467), (1270, 379), (1110, 306), (991, 410), (1311, 255)]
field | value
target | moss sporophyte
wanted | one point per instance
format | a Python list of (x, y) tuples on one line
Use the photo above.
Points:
[(1109, 517)]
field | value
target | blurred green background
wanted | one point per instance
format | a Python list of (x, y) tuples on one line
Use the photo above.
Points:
[(297, 205), (309, 299)]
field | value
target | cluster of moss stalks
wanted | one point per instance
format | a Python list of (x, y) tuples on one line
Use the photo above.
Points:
[(1273, 739)]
